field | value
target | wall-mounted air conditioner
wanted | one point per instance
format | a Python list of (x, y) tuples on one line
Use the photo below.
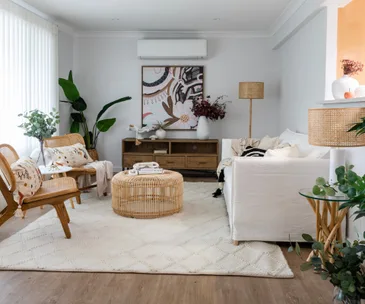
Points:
[(172, 48)]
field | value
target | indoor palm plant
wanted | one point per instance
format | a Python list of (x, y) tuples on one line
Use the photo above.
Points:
[(40, 125), (79, 105)]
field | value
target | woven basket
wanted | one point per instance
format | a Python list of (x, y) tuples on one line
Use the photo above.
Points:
[(147, 196)]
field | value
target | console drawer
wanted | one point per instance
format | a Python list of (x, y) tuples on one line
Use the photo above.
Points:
[(202, 162), (130, 160), (173, 162)]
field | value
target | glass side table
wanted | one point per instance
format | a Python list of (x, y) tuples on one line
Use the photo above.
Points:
[(328, 218)]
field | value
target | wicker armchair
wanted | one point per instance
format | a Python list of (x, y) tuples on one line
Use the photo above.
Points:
[(53, 192), (68, 140)]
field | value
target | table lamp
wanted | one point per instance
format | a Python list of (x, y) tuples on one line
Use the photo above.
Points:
[(327, 127), (251, 90)]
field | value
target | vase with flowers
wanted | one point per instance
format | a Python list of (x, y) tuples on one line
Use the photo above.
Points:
[(345, 86), (205, 110)]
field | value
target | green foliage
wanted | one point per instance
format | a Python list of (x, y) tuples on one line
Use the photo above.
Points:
[(359, 127), (349, 183), (161, 125), (40, 125), (343, 268), (322, 188), (79, 120)]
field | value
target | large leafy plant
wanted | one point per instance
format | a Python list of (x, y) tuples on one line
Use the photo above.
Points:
[(344, 268), (79, 120), (40, 125)]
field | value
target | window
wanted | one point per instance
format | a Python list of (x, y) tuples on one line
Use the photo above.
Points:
[(28, 71)]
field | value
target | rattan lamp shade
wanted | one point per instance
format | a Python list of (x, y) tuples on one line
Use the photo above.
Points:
[(328, 127), (251, 90)]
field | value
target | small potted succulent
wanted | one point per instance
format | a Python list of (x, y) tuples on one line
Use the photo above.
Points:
[(161, 129)]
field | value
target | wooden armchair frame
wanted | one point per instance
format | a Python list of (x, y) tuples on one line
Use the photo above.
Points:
[(53, 192), (68, 140)]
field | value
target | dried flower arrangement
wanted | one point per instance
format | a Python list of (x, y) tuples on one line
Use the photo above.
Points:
[(351, 67), (212, 110)]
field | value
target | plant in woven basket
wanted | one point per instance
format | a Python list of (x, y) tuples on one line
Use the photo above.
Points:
[(343, 268), (40, 125), (78, 118)]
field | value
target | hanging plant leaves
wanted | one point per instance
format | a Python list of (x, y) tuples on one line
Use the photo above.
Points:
[(108, 105), (79, 105), (77, 117), (75, 127), (105, 124), (69, 89)]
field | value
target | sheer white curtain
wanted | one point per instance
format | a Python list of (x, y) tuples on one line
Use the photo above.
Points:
[(28, 71)]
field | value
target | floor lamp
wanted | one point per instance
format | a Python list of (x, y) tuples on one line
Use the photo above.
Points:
[(327, 127), (251, 90)]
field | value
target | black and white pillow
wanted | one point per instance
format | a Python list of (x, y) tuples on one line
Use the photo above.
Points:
[(253, 152)]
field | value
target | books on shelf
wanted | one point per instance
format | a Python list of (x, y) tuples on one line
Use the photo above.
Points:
[(160, 151)]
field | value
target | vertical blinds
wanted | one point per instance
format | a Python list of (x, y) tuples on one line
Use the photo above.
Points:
[(28, 71)]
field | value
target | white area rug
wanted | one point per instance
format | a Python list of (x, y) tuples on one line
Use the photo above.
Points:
[(195, 241)]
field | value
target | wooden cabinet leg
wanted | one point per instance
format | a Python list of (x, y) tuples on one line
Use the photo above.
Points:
[(235, 242)]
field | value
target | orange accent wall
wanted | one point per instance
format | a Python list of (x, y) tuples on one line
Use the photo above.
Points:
[(351, 35)]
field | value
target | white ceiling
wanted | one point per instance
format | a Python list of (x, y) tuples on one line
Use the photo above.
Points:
[(163, 15)]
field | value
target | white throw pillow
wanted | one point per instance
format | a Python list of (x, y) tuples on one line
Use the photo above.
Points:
[(268, 142), (292, 151), (301, 140), (73, 156)]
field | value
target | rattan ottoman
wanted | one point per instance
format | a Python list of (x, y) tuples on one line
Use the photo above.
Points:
[(147, 196)]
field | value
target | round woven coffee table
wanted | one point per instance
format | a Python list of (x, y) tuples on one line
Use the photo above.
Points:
[(147, 196)]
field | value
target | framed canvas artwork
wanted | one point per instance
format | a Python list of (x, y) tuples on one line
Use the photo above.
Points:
[(168, 93)]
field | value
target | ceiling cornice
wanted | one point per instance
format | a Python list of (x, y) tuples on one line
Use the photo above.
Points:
[(173, 34), (288, 11)]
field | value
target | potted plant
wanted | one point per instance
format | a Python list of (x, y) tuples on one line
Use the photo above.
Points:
[(40, 125), (78, 117), (205, 109), (161, 129), (345, 86), (344, 269)]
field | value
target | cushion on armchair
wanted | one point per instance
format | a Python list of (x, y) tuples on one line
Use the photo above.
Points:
[(28, 179), (73, 156)]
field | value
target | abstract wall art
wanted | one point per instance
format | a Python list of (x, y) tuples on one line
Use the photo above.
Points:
[(168, 93)]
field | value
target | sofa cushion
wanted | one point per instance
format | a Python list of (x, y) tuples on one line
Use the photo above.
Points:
[(73, 156), (268, 142), (301, 140), (291, 151)]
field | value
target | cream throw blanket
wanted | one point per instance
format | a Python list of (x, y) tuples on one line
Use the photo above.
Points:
[(104, 175)]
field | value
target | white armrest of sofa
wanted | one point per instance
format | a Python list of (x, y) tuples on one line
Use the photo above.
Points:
[(265, 204)]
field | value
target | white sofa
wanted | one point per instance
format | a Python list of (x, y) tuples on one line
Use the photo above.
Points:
[(262, 197)]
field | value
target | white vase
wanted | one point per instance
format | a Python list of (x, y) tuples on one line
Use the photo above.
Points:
[(202, 132), (360, 91), (343, 85), (161, 133)]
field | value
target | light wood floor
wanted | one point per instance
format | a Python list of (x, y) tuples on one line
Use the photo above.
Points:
[(26, 287)]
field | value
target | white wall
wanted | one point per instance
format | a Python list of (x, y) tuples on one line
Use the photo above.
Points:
[(65, 64), (106, 68), (308, 68), (303, 73)]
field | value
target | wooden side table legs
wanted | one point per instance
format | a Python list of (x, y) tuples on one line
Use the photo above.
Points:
[(328, 233)]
